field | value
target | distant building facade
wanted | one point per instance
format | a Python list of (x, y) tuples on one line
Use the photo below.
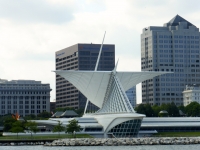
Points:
[(80, 57), (52, 106), (175, 47), (191, 94), (131, 94), (24, 97)]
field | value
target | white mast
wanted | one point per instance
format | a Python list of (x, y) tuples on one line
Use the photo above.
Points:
[(97, 63), (99, 53)]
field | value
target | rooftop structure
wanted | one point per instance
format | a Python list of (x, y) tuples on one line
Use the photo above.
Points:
[(66, 114)]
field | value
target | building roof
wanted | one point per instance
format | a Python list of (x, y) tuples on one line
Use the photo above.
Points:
[(175, 21), (57, 114), (170, 122), (69, 113), (163, 112)]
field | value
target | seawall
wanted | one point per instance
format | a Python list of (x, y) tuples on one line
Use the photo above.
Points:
[(106, 142), (125, 141)]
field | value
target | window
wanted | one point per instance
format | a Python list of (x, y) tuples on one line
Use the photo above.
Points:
[(108, 54)]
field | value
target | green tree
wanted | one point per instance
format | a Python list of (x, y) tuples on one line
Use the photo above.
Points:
[(8, 122), (17, 127), (148, 110), (58, 128), (145, 109), (73, 126), (140, 109), (30, 117), (31, 127), (172, 110), (44, 114), (182, 108), (193, 109), (156, 110)]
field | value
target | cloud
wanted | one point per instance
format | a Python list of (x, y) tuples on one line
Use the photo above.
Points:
[(32, 31), (24, 11)]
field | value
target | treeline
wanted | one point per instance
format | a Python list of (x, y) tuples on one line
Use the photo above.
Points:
[(43, 115), (22, 126), (191, 110)]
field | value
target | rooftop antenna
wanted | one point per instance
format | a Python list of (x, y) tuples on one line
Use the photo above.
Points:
[(97, 63)]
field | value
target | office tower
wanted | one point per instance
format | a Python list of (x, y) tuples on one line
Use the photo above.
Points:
[(131, 94), (24, 97), (80, 57), (173, 47)]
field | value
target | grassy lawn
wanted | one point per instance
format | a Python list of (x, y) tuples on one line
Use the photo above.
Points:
[(177, 134), (45, 137)]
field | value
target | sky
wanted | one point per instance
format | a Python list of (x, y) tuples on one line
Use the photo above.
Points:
[(32, 31)]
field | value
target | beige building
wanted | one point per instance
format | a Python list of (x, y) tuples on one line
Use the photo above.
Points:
[(191, 94)]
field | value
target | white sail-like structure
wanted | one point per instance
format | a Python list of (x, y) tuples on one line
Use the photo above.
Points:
[(106, 89)]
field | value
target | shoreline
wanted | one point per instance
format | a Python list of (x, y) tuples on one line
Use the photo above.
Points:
[(105, 141), (126, 141)]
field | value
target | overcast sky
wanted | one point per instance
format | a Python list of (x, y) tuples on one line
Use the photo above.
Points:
[(31, 31)]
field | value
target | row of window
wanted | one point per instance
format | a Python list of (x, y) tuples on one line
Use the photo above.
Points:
[(21, 111), (20, 92), (179, 56), (176, 41), (21, 107), (87, 53), (177, 51), (177, 46), (64, 58), (23, 97), (177, 36), (64, 62), (22, 102)]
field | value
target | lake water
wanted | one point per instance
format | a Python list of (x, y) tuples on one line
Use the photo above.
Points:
[(153, 147)]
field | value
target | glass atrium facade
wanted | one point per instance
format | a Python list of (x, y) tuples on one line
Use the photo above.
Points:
[(126, 129)]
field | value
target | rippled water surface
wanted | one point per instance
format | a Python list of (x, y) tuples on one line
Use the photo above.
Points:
[(156, 147)]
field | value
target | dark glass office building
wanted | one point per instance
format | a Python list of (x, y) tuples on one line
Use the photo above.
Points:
[(80, 57)]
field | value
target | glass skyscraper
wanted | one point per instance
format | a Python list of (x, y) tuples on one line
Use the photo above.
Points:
[(174, 48)]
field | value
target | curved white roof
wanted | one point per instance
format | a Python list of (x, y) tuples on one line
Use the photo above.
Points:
[(93, 84)]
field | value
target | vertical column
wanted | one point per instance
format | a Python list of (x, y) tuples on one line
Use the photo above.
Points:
[(24, 104), (6, 105), (0, 104)]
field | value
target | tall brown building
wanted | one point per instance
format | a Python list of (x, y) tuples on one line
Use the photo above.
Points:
[(80, 57)]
